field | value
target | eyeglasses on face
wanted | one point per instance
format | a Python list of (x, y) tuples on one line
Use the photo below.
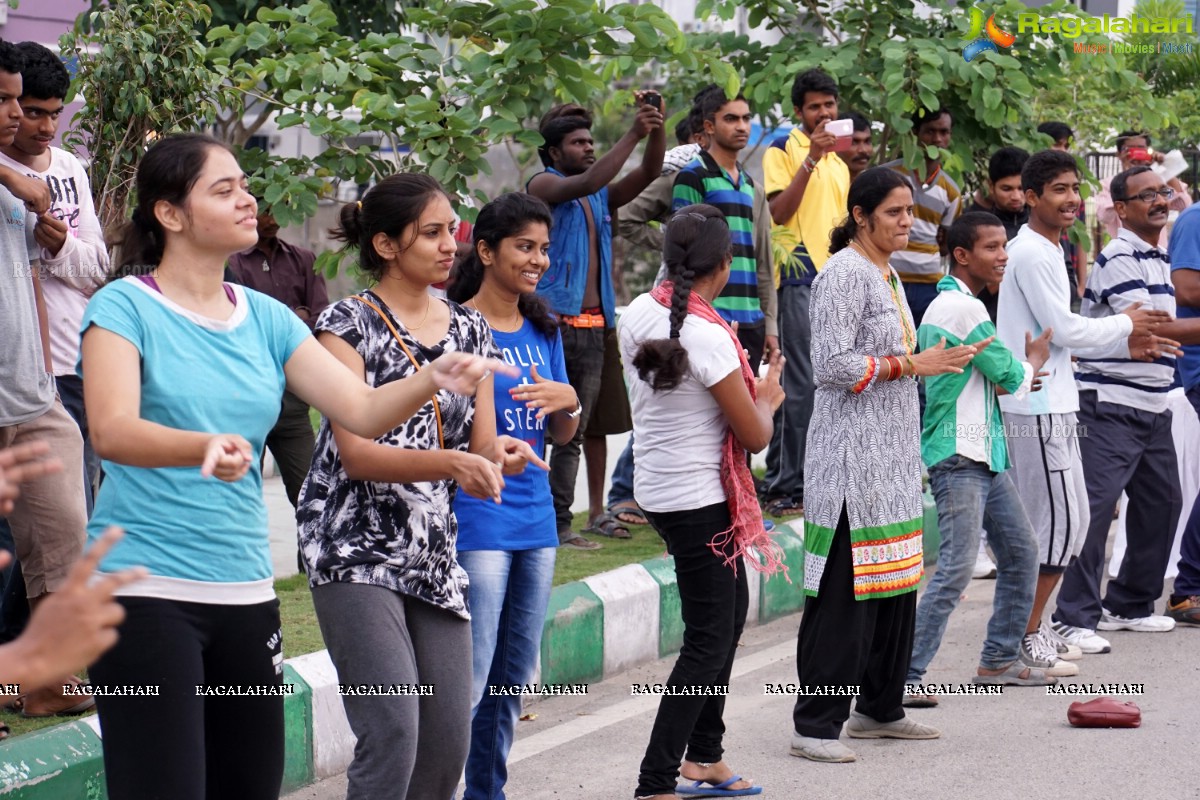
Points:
[(1166, 193)]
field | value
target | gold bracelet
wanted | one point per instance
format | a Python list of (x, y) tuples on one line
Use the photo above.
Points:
[(912, 368)]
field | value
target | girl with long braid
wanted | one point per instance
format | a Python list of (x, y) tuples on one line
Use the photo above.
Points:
[(697, 407)]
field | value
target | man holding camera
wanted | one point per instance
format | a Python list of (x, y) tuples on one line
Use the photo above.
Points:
[(1133, 150), (806, 184), (583, 198)]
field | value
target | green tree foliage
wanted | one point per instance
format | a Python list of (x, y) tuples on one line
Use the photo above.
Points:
[(1173, 76), (129, 99), (477, 76), (890, 61)]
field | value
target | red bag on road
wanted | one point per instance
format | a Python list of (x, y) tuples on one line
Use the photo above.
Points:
[(1104, 712)]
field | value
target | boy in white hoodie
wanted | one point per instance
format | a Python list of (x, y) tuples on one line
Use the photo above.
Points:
[(1041, 427)]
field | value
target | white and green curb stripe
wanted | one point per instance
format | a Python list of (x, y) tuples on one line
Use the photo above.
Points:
[(332, 741), (594, 628), (630, 600), (59, 763)]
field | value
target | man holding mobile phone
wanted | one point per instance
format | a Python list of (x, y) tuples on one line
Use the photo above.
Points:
[(584, 194), (807, 183), (1133, 150)]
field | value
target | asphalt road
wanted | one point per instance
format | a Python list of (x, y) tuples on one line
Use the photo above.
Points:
[(1014, 745)]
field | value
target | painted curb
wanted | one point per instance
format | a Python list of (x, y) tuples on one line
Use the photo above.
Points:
[(931, 539), (670, 616), (332, 740), (778, 597), (594, 628), (297, 732), (573, 636), (630, 599), (65, 761)]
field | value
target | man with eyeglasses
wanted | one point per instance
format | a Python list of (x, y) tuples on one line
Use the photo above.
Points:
[(1128, 446), (1133, 150)]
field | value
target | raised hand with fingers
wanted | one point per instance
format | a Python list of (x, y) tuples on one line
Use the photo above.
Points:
[(648, 119), (477, 476), (1145, 320), (515, 454), (35, 192), (227, 457), (50, 233), (71, 627), (1149, 347), (22, 463), (1037, 351), (940, 359), (769, 388), (462, 373), (546, 396)]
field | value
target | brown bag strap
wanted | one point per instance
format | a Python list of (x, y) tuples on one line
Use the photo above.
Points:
[(437, 409)]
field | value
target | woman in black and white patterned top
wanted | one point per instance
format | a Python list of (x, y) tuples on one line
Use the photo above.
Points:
[(376, 527)]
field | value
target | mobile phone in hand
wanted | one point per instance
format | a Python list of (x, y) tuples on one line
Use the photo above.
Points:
[(843, 129), (652, 99)]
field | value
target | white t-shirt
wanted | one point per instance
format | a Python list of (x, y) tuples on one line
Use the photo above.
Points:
[(677, 434)]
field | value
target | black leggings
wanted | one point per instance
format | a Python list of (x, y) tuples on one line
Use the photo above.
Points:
[(713, 601), (182, 745)]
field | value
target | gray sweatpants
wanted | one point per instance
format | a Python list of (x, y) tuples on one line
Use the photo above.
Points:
[(409, 747), (1048, 471)]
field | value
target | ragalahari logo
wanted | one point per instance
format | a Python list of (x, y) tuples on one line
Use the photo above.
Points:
[(977, 41)]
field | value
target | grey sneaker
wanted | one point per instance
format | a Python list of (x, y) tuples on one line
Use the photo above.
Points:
[(1066, 651), (1086, 640), (1036, 652), (861, 726), (828, 750)]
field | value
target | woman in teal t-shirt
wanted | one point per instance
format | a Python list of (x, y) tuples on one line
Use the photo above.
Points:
[(508, 549), (183, 377)]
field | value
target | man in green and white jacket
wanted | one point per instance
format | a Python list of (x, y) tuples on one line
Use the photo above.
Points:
[(963, 445)]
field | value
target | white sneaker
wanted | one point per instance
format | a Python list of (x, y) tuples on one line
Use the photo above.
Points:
[(1151, 624), (1084, 639), (828, 750), (1066, 651), (984, 567), (1040, 654)]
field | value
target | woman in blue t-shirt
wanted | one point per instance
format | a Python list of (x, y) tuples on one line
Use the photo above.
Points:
[(508, 549), (183, 378)]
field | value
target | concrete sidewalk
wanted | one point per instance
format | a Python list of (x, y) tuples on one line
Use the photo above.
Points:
[(1017, 744)]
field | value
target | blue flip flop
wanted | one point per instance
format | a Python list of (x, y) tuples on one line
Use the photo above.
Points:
[(709, 789)]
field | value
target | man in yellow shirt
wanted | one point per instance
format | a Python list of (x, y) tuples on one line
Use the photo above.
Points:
[(807, 184)]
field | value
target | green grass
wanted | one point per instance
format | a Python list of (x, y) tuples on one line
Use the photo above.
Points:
[(571, 564)]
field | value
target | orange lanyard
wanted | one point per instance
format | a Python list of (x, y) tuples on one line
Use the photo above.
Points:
[(437, 410), (907, 336)]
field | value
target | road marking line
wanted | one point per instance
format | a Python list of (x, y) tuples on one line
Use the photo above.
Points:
[(579, 727)]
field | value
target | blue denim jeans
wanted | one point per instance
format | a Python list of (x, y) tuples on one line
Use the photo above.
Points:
[(509, 593), (970, 497), (621, 490)]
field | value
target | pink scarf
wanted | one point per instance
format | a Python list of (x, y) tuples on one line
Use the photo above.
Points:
[(747, 530)]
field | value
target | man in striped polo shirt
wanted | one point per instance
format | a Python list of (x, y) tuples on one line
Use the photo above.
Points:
[(936, 200), (715, 177), (1123, 408)]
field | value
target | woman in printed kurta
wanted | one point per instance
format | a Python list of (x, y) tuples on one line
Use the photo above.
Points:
[(863, 529)]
